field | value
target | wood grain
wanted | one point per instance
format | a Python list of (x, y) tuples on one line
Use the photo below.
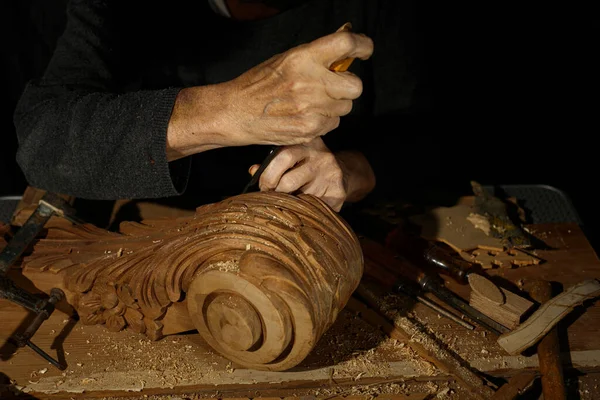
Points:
[(261, 276), (516, 386), (547, 316), (496, 302)]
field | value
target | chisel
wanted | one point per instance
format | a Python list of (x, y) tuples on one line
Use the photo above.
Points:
[(395, 271)]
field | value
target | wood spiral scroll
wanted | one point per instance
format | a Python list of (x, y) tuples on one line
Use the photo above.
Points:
[(261, 276)]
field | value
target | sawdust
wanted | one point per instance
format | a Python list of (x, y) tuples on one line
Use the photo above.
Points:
[(354, 349), (131, 362), (438, 390), (351, 350), (226, 266), (472, 345), (431, 390)]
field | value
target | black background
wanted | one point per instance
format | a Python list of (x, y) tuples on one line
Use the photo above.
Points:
[(509, 90)]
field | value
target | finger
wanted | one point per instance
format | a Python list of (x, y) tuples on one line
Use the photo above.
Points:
[(334, 203), (340, 45), (283, 161), (334, 198), (336, 108), (252, 170), (342, 85), (295, 178)]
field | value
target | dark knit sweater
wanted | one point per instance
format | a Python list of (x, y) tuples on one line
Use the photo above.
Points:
[(94, 125)]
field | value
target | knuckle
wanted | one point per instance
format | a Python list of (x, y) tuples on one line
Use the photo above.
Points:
[(346, 41), (296, 86), (287, 184), (293, 57), (285, 156), (266, 183), (311, 125)]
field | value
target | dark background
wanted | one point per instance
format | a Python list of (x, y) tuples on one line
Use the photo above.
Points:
[(509, 91)]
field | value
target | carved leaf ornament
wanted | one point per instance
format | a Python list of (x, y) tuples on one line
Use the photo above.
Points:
[(261, 276)]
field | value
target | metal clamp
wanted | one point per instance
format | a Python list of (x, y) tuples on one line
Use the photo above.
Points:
[(51, 204)]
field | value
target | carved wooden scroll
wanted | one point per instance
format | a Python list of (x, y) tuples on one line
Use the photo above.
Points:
[(261, 276)]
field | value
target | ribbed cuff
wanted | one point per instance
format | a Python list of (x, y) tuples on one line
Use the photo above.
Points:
[(172, 176)]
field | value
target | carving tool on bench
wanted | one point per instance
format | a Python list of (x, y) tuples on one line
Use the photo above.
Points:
[(435, 255), (408, 289), (338, 66), (51, 204), (395, 271)]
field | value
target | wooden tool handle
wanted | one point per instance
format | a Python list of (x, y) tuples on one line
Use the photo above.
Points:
[(343, 65), (390, 266), (421, 251), (548, 350)]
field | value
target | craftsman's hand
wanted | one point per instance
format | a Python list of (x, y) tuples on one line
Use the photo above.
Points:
[(312, 169), (289, 99), (294, 97)]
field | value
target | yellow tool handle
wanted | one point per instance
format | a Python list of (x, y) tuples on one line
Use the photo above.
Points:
[(343, 65)]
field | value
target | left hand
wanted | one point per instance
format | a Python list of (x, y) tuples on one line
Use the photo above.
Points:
[(312, 168)]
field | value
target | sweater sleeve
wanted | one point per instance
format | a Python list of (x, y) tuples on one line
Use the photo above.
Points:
[(80, 133)]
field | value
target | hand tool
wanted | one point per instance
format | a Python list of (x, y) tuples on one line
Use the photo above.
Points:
[(338, 66), (408, 289), (419, 251), (395, 271), (436, 255), (50, 204), (254, 180)]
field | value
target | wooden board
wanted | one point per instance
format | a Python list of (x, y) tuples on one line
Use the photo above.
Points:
[(352, 356)]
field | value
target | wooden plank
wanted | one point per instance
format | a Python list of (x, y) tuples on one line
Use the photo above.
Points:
[(515, 386)]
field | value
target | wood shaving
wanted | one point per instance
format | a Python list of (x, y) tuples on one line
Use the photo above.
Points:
[(480, 222)]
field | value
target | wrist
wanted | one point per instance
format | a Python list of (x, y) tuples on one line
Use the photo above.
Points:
[(197, 122), (359, 177)]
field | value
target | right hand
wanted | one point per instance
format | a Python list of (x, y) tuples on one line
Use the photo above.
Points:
[(294, 97)]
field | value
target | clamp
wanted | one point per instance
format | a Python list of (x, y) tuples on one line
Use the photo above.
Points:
[(50, 204)]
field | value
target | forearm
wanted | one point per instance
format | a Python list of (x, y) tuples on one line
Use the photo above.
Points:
[(97, 145), (197, 123)]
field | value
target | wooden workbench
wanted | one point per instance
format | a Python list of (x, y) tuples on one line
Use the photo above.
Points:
[(353, 359)]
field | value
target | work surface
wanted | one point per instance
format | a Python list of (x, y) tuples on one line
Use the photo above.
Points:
[(353, 358)]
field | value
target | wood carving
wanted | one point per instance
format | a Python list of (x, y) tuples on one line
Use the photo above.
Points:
[(547, 316), (261, 276), (468, 233), (499, 304)]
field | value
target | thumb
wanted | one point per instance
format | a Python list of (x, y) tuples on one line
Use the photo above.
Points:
[(252, 170)]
